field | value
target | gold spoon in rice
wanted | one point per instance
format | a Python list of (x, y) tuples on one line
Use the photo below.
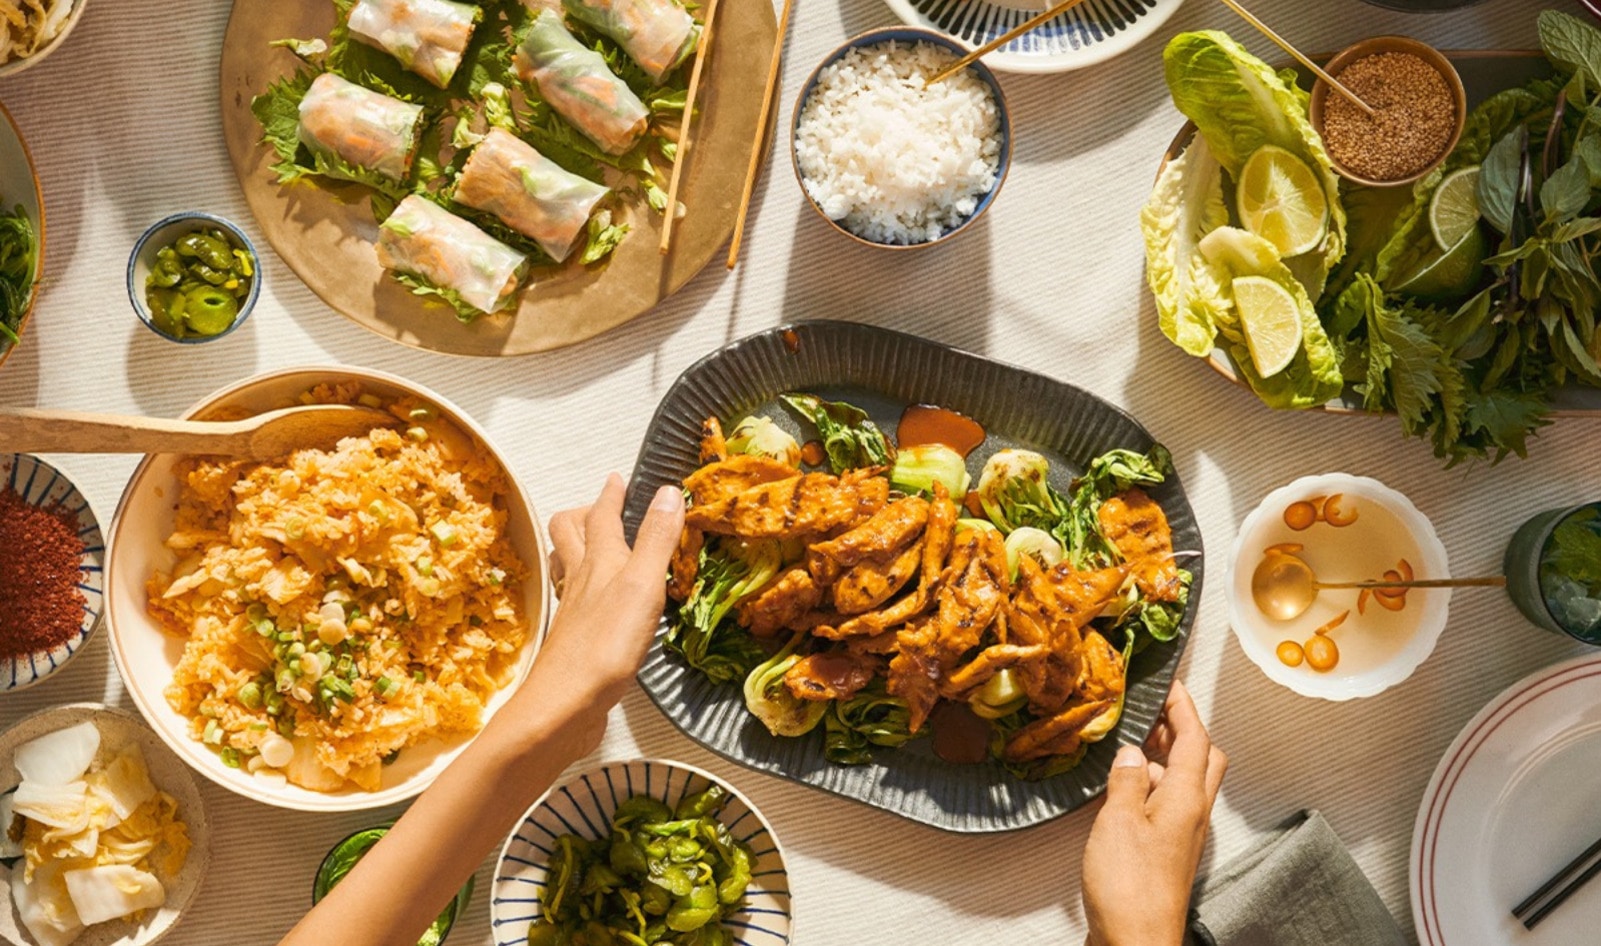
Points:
[(262, 437)]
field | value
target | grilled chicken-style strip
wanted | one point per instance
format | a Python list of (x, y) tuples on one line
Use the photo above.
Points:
[(871, 583), (976, 583), (937, 539), (914, 672), (1135, 524), (1053, 735), (783, 601), (960, 683), (685, 565), (787, 508), (713, 446), (882, 535), (725, 479), (1051, 608), (1101, 676), (837, 675)]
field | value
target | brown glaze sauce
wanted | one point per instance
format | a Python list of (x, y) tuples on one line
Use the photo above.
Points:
[(960, 736), (925, 424), (971, 503), (791, 340), (812, 453)]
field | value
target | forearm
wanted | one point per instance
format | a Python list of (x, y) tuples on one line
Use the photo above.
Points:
[(398, 889)]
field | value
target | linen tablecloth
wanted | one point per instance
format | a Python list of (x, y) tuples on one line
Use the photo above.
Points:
[(123, 123)]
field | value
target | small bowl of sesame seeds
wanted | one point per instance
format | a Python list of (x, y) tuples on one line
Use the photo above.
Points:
[(1419, 108)]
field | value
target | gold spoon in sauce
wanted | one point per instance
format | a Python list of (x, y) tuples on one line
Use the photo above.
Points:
[(1284, 585)]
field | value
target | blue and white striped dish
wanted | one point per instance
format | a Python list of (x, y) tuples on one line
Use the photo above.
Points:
[(41, 484), (1090, 33), (584, 805)]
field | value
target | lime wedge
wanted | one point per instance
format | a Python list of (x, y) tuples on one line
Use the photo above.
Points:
[(1281, 200), (1454, 209), (1271, 320), (1447, 275)]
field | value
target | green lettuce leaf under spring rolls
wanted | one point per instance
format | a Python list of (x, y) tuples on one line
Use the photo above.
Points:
[(453, 258), (529, 192), (360, 127), (576, 82)]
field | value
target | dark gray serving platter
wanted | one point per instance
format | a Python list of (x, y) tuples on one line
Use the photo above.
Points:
[(882, 372)]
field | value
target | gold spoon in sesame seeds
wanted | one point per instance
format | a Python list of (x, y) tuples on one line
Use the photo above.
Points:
[(1300, 57)]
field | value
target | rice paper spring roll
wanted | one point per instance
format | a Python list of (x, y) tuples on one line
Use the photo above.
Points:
[(576, 82), (429, 37), (427, 241), (657, 34), (529, 192), (360, 127)]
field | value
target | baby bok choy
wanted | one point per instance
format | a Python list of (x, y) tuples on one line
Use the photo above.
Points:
[(758, 436), (770, 700), (731, 570), (918, 468), (849, 438)]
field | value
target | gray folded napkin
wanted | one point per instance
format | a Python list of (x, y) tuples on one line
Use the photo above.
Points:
[(1298, 887)]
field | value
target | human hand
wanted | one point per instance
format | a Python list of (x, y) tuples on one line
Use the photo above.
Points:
[(611, 600), (1145, 845)]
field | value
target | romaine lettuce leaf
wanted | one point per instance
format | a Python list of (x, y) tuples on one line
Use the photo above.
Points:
[(1238, 104), (1186, 204), (1313, 377)]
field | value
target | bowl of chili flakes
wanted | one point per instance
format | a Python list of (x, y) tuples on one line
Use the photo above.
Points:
[(51, 591)]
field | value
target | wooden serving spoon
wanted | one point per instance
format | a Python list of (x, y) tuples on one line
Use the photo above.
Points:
[(262, 437)]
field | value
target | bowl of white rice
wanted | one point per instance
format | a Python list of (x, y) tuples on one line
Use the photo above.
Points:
[(890, 160)]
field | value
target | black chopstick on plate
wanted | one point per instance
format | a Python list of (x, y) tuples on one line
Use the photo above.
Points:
[(1575, 875)]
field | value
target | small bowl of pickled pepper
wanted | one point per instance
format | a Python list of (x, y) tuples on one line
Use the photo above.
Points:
[(193, 277)]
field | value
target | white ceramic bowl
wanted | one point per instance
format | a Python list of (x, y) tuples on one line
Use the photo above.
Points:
[(584, 805), (166, 773), (41, 484), (163, 233), (1378, 648), (146, 655), (15, 66)]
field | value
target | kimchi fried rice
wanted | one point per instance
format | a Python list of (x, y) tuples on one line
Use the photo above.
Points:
[(340, 606)]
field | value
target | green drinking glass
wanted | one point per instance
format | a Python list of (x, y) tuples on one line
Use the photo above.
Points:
[(1553, 571)]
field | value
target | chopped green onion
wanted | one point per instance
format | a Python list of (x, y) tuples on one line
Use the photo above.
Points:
[(383, 685), (230, 757), (417, 434), (445, 533), (250, 695), (286, 726), (369, 400), (213, 733), (421, 413), (296, 649), (419, 676), (285, 680), (266, 628), (275, 702), (256, 611), (425, 566), (258, 726)]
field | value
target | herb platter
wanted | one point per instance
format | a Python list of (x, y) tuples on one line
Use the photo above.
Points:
[(326, 232), (1484, 72), (884, 372)]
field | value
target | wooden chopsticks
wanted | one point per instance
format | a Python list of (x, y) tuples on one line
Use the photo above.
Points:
[(1026, 26), (1284, 44), (757, 152), (1578, 872), (681, 155)]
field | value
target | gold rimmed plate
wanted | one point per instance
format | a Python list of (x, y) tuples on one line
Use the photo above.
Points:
[(326, 234)]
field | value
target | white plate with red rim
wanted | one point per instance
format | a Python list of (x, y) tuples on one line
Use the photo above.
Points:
[(1511, 802)]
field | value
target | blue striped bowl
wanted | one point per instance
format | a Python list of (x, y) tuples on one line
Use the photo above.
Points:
[(584, 805), (1088, 34), (41, 484)]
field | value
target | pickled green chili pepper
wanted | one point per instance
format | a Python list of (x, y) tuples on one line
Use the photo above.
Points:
[(197, 283), (660, 876)]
